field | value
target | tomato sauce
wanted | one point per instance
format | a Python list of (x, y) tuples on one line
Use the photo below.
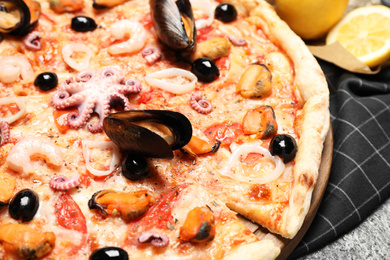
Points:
[(158, 216)]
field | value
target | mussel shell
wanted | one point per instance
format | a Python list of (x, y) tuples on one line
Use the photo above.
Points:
[(19, 8), (123, 129), (174, 23)]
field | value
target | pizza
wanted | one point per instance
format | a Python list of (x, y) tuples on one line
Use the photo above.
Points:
[(142, 129)]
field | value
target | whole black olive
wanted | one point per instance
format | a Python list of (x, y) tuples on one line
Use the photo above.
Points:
[(46, 81), (225, 12), (109, 253), (24, 205), (205, 69), (134, 167), (285, 146), (83, 24)]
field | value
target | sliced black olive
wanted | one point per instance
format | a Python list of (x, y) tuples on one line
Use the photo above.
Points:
[(134, 167), (24, 205), (205, 69), (225, 12), (83, 24), (109, 253), (46, 81), (285, 146)]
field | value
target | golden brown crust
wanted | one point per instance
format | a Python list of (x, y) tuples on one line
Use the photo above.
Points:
[(261, 250), (313, 121)]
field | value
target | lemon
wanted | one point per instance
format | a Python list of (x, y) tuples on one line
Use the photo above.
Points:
[(365, 32), (311, 19)]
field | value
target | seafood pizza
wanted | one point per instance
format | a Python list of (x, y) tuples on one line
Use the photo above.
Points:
[(140, 129)]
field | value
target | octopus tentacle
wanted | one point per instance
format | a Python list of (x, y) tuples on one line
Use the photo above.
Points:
[(85, 76), (62, 99), (158, 240), (104, 109), (62, 183), (237, 41), (199, 104), (4, 131), (32, 41), (75, 120), (112, 75), (94, 91), (151, 54)]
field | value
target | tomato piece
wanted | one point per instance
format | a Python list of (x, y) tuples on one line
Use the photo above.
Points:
[(225, 132), (223, 63), (146, 21), (69, 215), (60, 119), (204, 33), (158, 216), (9, 109)]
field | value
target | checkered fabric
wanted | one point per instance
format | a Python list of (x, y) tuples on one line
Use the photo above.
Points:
[(359, 181)]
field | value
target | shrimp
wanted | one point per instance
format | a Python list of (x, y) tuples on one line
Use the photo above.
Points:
[(19, 157), (135, 43), (12, 68)]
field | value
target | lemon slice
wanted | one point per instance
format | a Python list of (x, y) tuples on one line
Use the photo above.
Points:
[(365, 32)]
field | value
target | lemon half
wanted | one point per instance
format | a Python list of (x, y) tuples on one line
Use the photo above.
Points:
[(311, 19), (365, 32)]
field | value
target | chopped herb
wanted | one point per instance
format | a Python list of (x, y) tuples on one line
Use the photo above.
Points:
[(215, 203), (170, 226)]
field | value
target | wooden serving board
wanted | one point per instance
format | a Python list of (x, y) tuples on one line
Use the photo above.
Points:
[(288, 245)]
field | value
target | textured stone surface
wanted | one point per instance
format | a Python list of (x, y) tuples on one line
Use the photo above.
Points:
[(370, 240)]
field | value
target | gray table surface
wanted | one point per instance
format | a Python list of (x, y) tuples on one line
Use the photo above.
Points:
[(370, 240)]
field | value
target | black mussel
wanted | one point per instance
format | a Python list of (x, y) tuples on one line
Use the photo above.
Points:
[(150, 133), (24, 205), (174, 23), (18, 17), (106, 253), (128, 205), (103, 4)]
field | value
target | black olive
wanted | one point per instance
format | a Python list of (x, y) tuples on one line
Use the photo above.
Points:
[(225, 12), (109, 253), (24, 205), (134, 167), (46, 81), (205, 69), (83, 24), (285, 146)]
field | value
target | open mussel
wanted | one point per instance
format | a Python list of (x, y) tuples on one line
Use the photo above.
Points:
[(18, 17), (174, 23), (150, 133)]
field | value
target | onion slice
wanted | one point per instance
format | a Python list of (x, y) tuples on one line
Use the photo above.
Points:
[(21, 105), (104, 145), (156, 80), (253, 148), (208, 8), (79, 64)]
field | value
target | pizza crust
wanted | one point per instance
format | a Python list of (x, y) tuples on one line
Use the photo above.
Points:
[(312, 123), (264, 250)]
